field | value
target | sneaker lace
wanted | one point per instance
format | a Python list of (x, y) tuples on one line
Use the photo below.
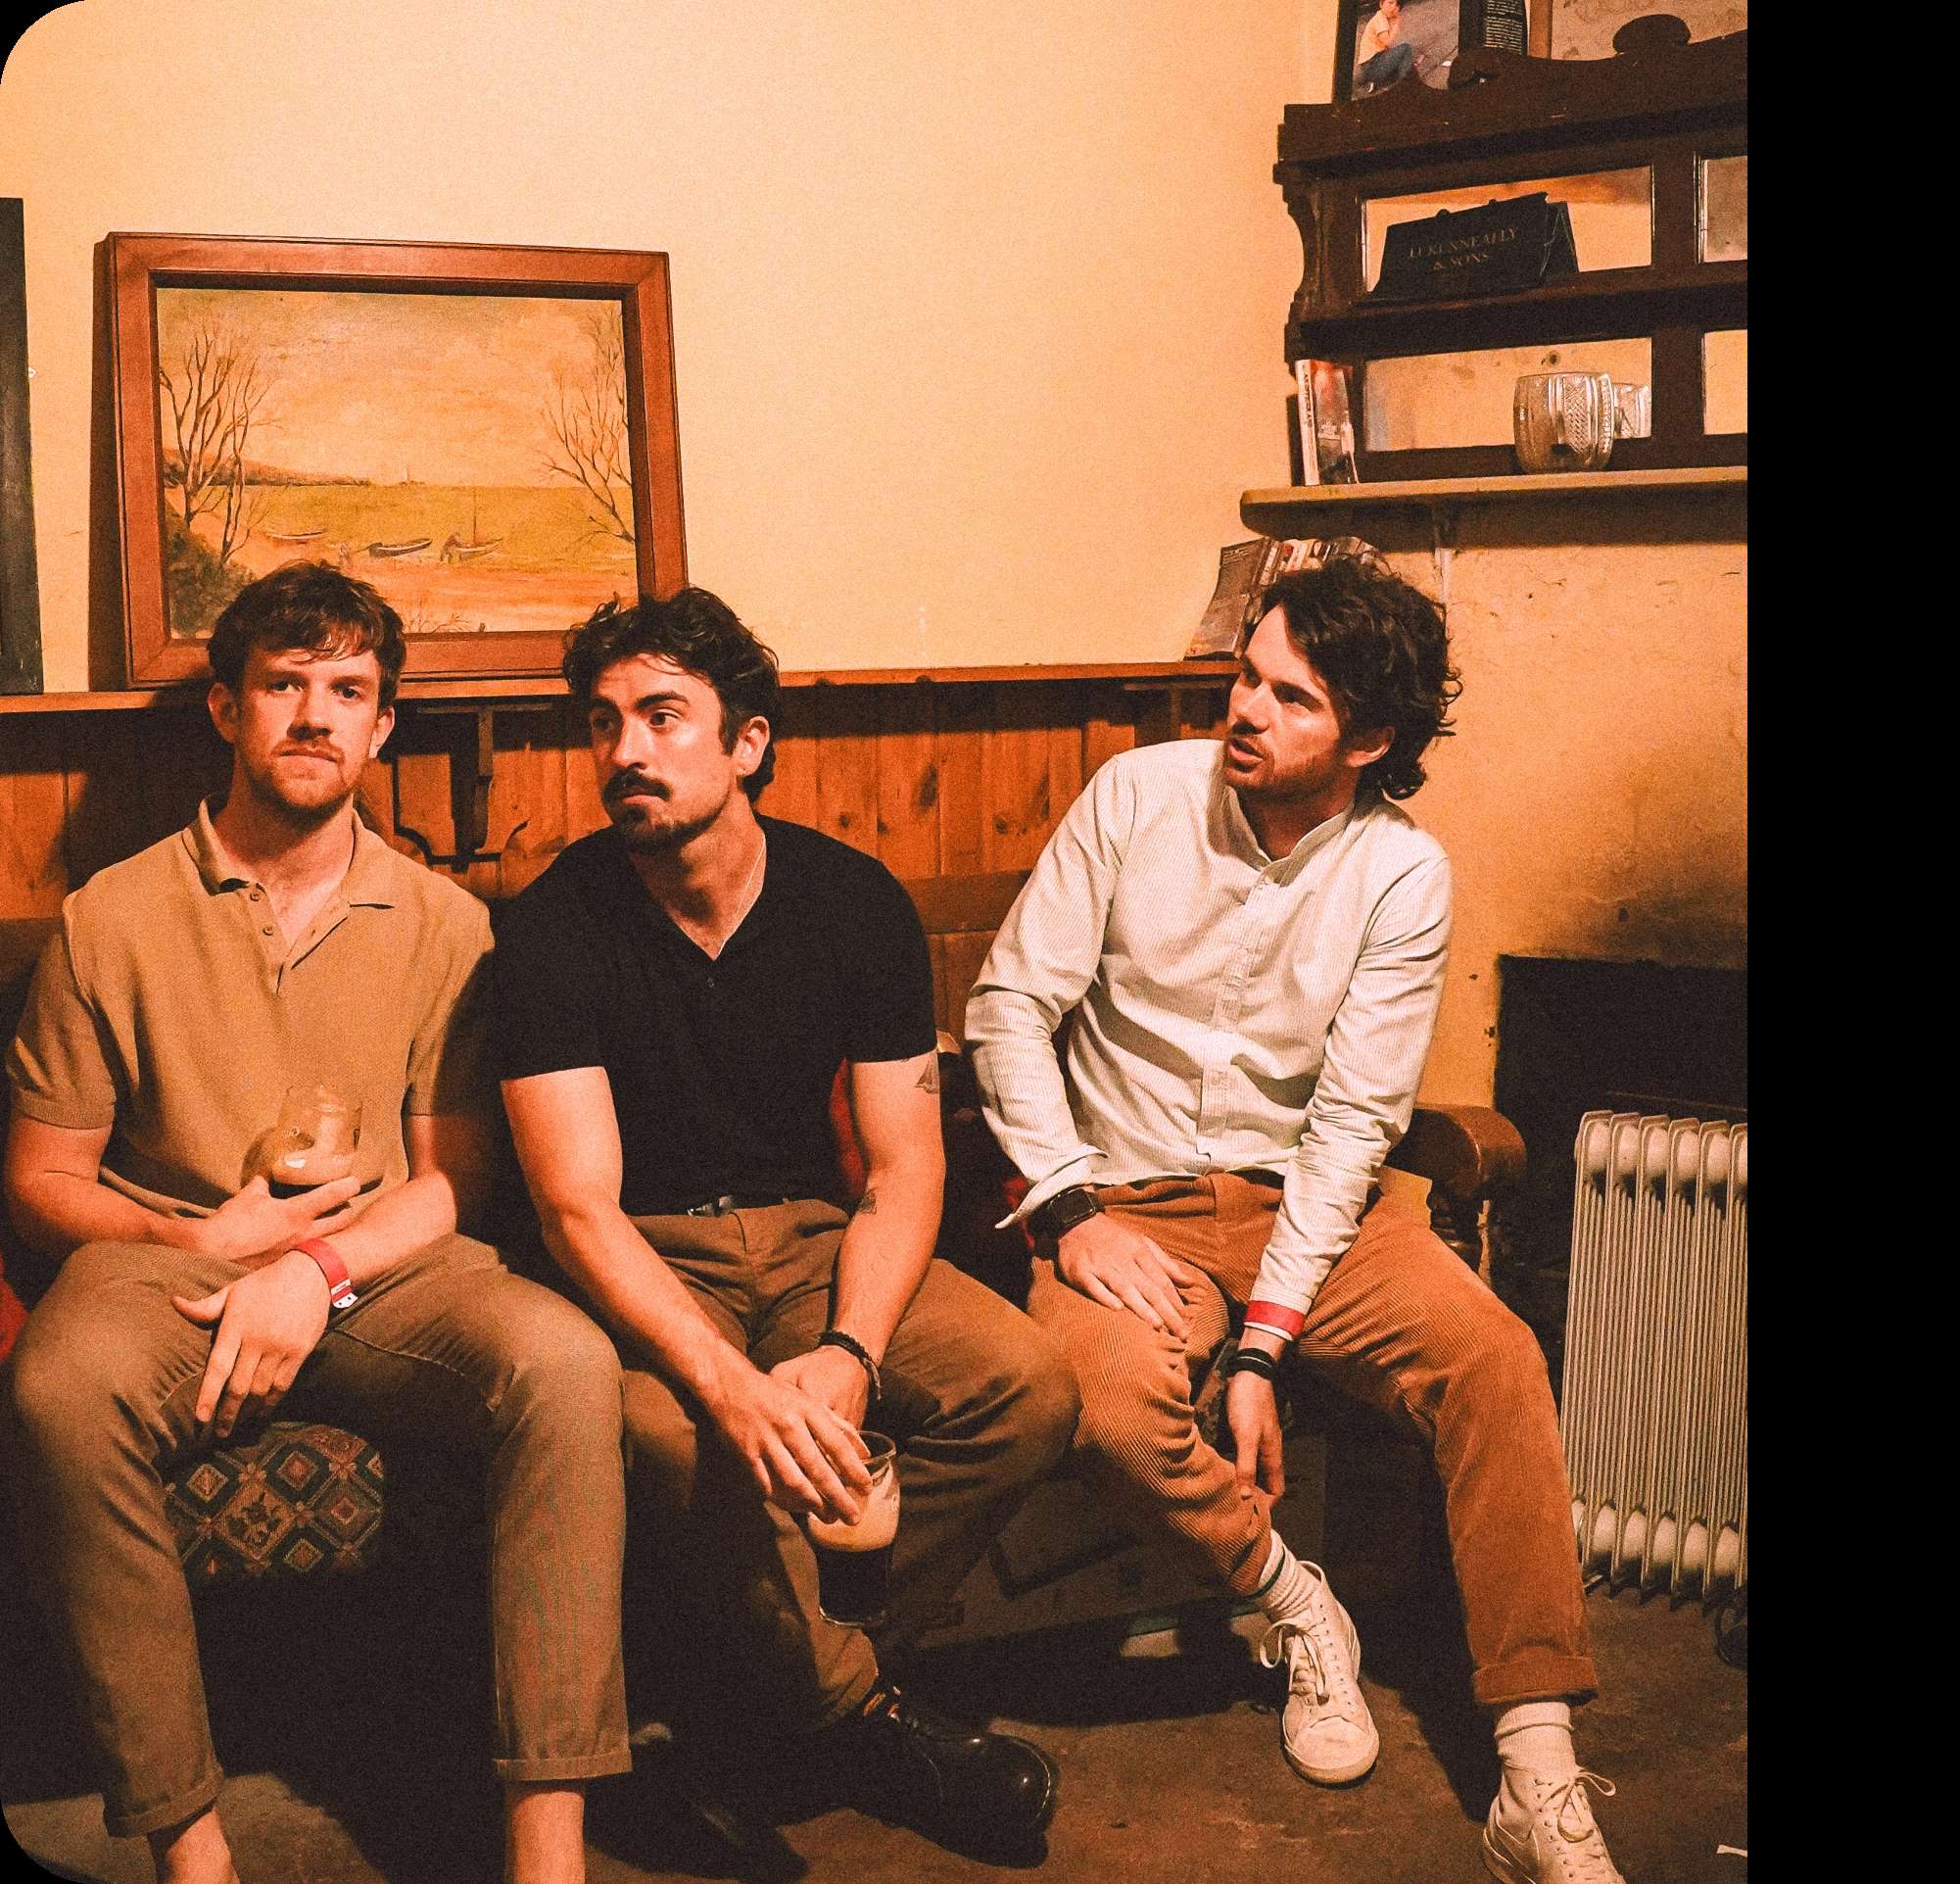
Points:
[(1565, 1806), (1306, 1671)]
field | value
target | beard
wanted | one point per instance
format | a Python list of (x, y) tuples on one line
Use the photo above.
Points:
[(646, 833), (303, 808)]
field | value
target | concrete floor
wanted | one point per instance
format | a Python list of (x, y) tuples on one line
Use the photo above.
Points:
[(1172, 1773)]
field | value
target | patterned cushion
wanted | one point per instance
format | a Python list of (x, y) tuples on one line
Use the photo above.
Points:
[(299, 1499)]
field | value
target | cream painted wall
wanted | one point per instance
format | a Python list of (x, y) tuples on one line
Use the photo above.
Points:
[(1594, 799), (977, 310), (978, 340)]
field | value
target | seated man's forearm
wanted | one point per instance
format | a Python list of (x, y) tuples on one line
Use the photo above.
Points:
[(887, 1249), (54, 1213), (1022, 1095), (639, 1298)]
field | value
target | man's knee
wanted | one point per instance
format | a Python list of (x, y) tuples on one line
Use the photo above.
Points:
[(564, 1371), (1494, 1358), (1129, 1380), (1049, 1403), (71, 1367)]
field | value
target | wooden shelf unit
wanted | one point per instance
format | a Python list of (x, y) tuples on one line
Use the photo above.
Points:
[(1661, 104)]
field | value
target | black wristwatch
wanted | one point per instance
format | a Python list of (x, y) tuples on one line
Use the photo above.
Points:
[(1056, 1216)]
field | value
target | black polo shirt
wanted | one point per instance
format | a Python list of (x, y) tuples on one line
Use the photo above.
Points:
[(720, 1069)]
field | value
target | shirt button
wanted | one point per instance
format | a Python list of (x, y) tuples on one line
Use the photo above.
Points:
[(251, 895), (267, 931)]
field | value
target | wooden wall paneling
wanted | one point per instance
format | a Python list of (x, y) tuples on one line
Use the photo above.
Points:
[(427, 750), (908, 780), (584, 811), (846, 756), (34, 806), (960, 736), (1200, 711), (957, 966), (133, 778), (792, 793), (1030, 771), (1066, 771), (1153, 715), (527, 797), (1108, 726)]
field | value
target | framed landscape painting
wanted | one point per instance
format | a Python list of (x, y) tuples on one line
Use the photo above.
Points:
[(485, 434)]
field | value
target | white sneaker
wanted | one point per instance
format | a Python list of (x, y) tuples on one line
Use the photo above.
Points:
[(1324, 1730), (1559, 1843)]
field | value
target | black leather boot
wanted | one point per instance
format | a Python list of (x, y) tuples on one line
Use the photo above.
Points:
[(972, 1791)]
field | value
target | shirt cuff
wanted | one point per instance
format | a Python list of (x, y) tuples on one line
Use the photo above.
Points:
[(1078, 1170), (45, 1109), (1300, 1282)]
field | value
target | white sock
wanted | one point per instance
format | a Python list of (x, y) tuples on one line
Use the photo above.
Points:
[(1534, 1742), (1286, 1584)]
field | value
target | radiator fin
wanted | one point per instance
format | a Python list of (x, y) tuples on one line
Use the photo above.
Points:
[(1654, 1411)]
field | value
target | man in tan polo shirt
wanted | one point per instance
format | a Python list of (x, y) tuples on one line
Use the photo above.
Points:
[(278, 944)]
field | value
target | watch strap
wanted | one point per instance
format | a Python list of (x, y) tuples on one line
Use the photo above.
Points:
[(340, 1285), (1056, 1216)]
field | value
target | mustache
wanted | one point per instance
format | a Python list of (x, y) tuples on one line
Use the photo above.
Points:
[(310, 749), (630, 783)]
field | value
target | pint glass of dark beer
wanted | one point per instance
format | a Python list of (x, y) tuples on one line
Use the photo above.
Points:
[(854, 1561)]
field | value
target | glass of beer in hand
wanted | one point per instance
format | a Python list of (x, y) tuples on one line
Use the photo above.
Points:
[(313, 1143), (854, 1561)]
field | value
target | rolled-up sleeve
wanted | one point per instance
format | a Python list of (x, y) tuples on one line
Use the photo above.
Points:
[(1366, 1092)]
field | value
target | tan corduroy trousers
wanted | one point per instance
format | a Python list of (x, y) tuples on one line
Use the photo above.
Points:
[(448, 1348), (1401, 1324), (978, 1400)]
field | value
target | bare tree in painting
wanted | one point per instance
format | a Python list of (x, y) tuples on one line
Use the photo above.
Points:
[(587, 419), (212, 396)]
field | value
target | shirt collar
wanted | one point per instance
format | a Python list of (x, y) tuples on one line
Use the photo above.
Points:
[(1244, 841), (369, 879)]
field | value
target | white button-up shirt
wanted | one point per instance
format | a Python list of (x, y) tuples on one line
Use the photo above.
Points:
[(1232, 1011)]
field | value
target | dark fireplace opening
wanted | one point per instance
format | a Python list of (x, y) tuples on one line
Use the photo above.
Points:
[(1581, 1035)]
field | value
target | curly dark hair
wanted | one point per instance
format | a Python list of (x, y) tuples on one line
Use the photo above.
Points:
[(311, 606), (696, 631), (1381, 646)]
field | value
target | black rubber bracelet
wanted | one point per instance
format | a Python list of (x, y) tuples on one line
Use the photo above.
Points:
[(1251, 1359), (856, 1349)]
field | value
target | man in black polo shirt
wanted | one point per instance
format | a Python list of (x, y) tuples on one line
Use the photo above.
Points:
[(676, 995)]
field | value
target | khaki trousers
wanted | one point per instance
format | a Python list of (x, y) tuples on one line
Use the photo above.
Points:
[(1401, 1324), (977, 1397), (447, 1348)]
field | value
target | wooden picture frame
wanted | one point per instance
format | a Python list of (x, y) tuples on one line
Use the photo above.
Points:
[(19, 592), (1434, 32), (265, 389)]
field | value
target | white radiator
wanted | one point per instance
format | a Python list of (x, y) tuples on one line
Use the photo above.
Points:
[(1655, 1405)]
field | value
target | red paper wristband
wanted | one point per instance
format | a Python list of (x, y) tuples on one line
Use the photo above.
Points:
[(1280, 1320), (340, 1285)]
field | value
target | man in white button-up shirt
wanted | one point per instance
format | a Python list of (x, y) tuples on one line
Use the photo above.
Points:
[(1247, 941)]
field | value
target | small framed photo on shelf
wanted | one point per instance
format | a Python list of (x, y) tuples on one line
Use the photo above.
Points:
[(1321, 402), (1380, 42)]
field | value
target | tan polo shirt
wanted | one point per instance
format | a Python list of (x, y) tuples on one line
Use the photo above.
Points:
[(170, 1009)]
